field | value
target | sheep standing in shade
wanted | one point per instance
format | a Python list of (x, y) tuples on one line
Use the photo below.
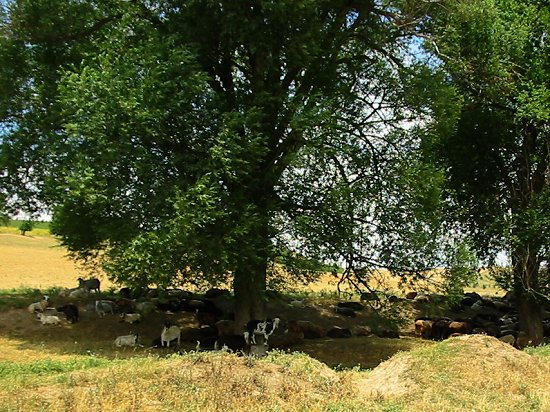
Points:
[(39, 306), (169, 333), (263, 327), (89, 284)]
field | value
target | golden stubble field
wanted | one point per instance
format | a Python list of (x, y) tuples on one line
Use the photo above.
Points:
[(39, 262), (36, 262)]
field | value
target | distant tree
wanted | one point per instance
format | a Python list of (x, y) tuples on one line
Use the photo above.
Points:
[(494, 147), (26, 226)]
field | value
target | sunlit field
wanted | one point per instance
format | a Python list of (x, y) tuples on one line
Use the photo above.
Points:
[(37, 261), (76, 367)]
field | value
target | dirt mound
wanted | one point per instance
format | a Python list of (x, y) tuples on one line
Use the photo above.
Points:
[(469, 361)]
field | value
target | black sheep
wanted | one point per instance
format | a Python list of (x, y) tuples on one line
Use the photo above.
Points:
[(70, 311)]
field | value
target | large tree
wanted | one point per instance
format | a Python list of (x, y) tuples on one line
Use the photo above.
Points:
[(495, 147), (169, 138)]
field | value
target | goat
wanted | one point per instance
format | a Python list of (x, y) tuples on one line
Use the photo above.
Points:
[(371, 298), (103, 306), (126, 340), (39, 306), (265, 328), (70, 311), (89, 284), (48, 319), (169, 333), (130, 317)]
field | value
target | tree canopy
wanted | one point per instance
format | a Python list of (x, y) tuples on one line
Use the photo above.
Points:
[(494, 54), (177, 141)]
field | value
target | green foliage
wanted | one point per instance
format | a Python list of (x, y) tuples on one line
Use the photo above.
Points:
[(494, 54), (26, 226), (463, 271), (182, 143)]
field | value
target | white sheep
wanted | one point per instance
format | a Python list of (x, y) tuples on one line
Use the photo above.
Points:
[(259, 327), (104, 306), (168, 334), (126, 340), (48, 319), (39, 306), (78, 293), (131, 317)]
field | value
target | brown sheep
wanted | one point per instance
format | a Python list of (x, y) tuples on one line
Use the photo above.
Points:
[(423, 328), (462, 328)]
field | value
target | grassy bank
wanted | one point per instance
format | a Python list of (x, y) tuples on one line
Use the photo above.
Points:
[(472, 373)]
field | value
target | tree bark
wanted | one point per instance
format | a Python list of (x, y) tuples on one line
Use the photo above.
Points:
[(249, 287), (526, 267), (249, 280)]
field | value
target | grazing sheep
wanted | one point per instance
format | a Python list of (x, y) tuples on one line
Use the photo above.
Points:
[(89, 284), (311, 330), (265, 328), (338, 332), (145, 308), (423, 328), (351, 305), (440, 329), (123, 305), (131, 317), (104, 306), (126, 340), (371, 298), (78, 293), (460, 327), (169, 333), (510, 339), (344, 311), (70, 311), (298, 303), (39, 306), (48, 319)]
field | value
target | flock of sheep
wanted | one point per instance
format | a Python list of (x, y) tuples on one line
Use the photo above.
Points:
[(132, 312)]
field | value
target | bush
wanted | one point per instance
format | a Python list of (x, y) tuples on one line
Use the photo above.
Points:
[(26, 226)]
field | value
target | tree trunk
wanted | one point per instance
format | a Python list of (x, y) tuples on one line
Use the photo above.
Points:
[(526, 267), (249, 286), (249, 281)]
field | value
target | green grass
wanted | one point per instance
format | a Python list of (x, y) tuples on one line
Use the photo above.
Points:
[(19, 297), (10, 370), (213, 381), (39, 228)]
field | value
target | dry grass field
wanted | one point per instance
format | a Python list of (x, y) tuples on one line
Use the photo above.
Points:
[(75, 367), (36, 262)]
